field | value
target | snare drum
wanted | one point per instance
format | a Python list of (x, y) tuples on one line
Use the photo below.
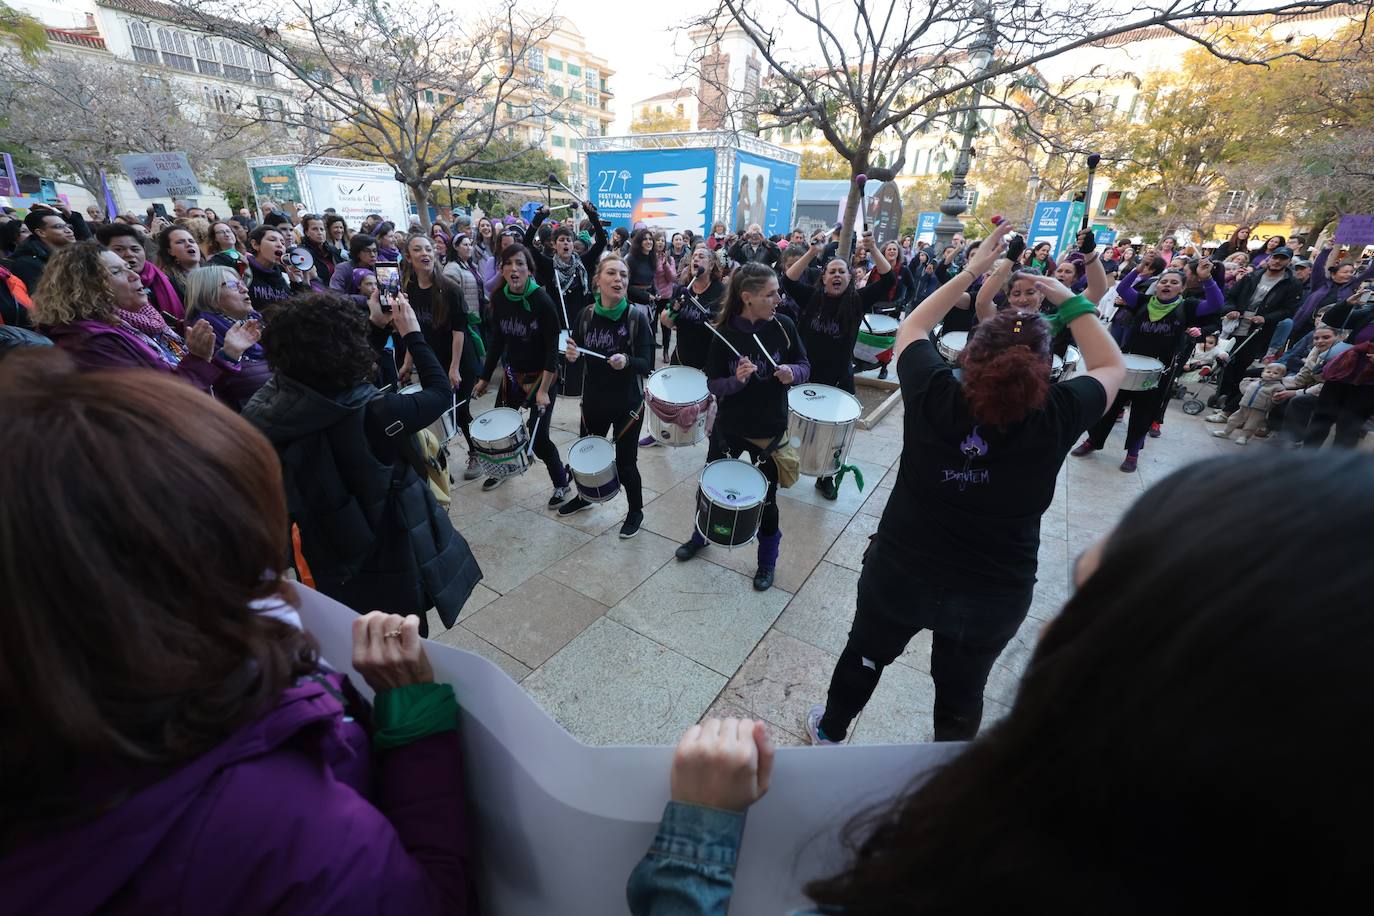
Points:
[(1066, 365), (951, 345), (730, 499), (1142, 373), (876, 339), (820, 425), (592, 462), (677, 398), (499, 438)]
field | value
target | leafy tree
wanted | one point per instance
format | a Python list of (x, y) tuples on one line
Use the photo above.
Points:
[(824, 163), (26, 32), (659, 122)]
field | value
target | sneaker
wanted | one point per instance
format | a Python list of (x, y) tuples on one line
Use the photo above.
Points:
[(763, 579), (648, 441), (1128, 464), (1084, 450), (573, 506), (688, 550), (473, 471), (1220, 433), (882, 371), (491, 483), (813, 726), (560, 494), (1155, 431), (829, 489), (1218, 417), (631, 526), (1241, 440)]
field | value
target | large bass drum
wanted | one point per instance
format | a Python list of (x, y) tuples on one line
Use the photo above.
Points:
[(730, 500), (821, 423)]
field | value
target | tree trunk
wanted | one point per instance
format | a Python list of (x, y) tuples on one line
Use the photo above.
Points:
[(851, 205), (419, 192)]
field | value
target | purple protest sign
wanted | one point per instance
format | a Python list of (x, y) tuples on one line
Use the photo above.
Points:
[(1355, 229)]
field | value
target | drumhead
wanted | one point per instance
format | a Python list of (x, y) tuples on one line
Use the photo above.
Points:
[(497, 423), (413, 389), (954, 340), (732, 482), (1137, 362), (823, 403), (678, 385), (1071, 355), (882, 325), (1058, 362), (590, 455)]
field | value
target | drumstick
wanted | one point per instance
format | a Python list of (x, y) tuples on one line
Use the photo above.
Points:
[(590, 352), (710, 327), (534, 434), (765, 352)]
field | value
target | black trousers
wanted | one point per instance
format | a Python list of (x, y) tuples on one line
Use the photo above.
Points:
[(969, 629), (1245, 354), (1145, 406), (538, 425), (727, 446), (1349, 407), (626, 426), (464, 413)]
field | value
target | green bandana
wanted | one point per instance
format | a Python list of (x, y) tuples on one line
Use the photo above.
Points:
[(404, 715), (522, 298), (1158, 310), (615, 313)]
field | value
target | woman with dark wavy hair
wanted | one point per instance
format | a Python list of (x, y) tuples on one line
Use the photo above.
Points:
[(1137, 772), (957, 546), (164, 712)]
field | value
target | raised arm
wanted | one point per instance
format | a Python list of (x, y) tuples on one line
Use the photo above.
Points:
[(1101, 356), (985, 306), (1092, 266), (798, 267), (1125, 291), (933, 309), (1213, 299), (532, 232), (599, 238)]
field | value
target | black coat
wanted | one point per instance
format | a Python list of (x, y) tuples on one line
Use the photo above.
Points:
[(370, 529)]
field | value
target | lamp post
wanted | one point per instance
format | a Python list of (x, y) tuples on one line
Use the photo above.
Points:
[(980, 55), (1093, 160), (1033, 199)]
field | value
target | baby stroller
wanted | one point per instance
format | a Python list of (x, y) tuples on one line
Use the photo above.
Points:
[(1195, 402)]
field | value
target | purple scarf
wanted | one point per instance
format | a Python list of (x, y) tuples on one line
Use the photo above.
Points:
[(163, 292)]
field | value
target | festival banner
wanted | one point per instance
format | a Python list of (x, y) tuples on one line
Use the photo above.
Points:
[(1056, 222), (276, 183), (668, 189), (763, 193), (925, 226), (558, 825), (354, 192), (160, 174)]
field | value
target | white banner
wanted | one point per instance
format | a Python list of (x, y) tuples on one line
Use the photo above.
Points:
[(354, 193), (559, 825), (160, 174)]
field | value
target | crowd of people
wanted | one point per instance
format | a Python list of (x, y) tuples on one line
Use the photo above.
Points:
[(285, 429)]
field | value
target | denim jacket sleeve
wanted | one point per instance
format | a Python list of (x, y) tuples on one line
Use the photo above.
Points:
[(690, 868)]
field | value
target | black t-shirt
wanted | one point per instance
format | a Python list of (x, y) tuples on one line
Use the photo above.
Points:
[(759, 409), (440, 336), (608, 390), (967, 503), (828, 331), (693, 338), (1161, 339), (527, 337)]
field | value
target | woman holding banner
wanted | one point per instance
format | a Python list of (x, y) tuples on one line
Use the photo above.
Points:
[(190, 739)]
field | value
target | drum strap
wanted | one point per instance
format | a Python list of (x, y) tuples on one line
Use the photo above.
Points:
[(634, 415)]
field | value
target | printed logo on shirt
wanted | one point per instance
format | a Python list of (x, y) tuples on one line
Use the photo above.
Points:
[(606, 340), (516, 326), (974, 446), (827, 326)]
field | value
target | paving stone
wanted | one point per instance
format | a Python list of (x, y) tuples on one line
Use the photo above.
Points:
[(517, 543), (607, 568), (535, 619), (611, 685)]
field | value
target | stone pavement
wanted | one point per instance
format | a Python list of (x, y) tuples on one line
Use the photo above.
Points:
[(623, 644)]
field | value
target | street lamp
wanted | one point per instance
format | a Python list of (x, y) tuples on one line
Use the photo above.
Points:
[(980, 54), (1033, 199)]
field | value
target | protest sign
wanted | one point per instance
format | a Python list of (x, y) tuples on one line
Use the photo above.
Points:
[(160, 174)]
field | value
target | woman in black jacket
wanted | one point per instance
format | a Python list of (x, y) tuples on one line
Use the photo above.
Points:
[(370, 531)]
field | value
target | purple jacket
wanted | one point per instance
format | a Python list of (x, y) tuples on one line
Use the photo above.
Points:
[(1321, 288), (286, 816), (97, 345)]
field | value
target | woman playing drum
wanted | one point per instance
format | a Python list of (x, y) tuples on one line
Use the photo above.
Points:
[(958, 543), (525, 327), (832, 311), (752, 394), (694, 304), (1156, 329), (613, 396)]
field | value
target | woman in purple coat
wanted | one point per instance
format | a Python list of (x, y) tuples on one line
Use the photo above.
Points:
[(172, 742)]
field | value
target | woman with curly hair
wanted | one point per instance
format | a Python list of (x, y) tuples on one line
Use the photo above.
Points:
[(336, 236), (371, 533), (957, 546), (93, 305)]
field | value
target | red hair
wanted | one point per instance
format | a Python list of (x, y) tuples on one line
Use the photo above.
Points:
[(1006, 368)]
